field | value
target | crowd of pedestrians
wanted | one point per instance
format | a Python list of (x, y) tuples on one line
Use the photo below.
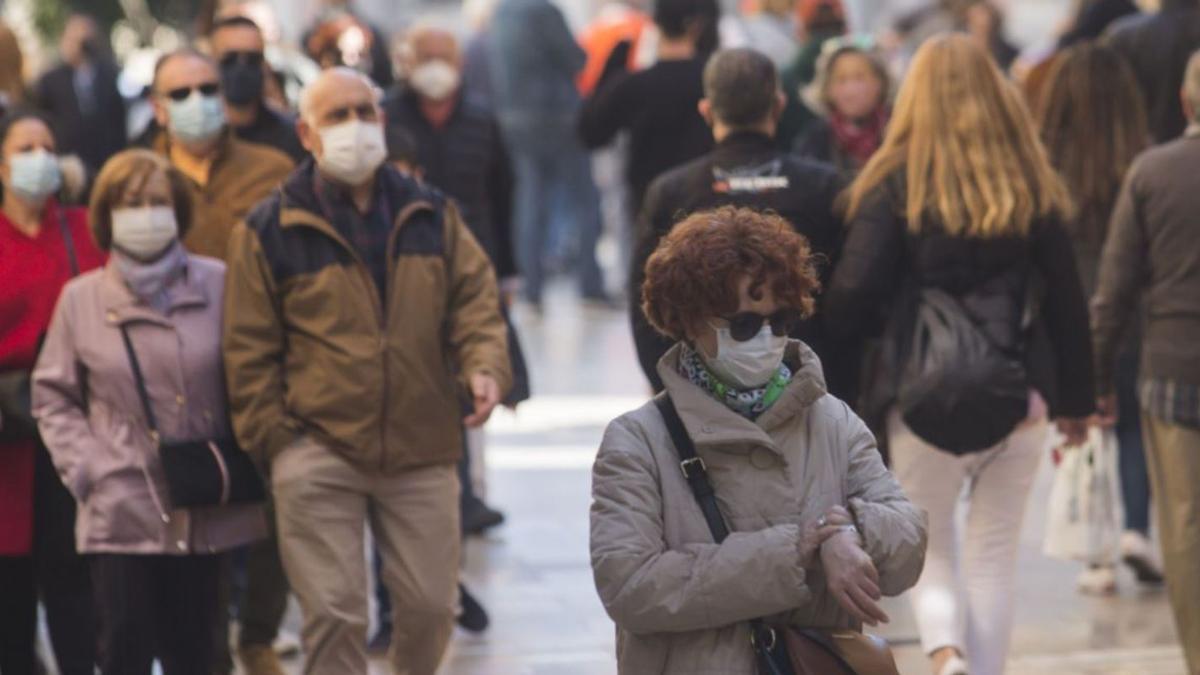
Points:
[(871, 280)]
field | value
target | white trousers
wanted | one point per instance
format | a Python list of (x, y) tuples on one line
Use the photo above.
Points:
[(964, 599)]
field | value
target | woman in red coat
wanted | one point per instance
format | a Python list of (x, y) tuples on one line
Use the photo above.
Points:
[(42, 245)]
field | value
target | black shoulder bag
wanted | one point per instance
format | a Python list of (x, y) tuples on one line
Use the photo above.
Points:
[(206, 472), (783, 650), (16, 400)]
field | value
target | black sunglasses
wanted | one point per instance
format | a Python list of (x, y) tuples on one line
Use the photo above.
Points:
[(181, 93), (745, 325), (249, 58)]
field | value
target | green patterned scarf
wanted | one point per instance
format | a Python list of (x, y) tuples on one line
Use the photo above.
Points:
[(749, 403)]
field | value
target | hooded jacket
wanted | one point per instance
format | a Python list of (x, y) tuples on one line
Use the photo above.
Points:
[(310, 348), (681, 602)]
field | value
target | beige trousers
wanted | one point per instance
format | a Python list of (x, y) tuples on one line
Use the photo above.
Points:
[(322, 503), (1173, 455)]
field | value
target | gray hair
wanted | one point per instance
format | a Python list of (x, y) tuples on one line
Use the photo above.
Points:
[(1191, 86), (306, 94)]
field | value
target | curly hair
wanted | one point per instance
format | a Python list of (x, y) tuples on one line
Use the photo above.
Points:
[(695, 271)]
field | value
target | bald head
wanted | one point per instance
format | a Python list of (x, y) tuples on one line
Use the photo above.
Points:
[(428, 42), (336, 89)]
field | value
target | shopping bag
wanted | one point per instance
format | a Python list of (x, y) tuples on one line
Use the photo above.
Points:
[(1084, 516)]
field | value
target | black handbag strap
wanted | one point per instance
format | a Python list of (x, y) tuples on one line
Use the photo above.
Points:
[(762, 636), (140, 382), (69, 242)]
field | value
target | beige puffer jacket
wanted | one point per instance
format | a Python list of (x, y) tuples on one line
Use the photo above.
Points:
[(680, 601)]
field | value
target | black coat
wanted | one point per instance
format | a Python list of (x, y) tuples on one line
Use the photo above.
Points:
[(745, 169), (467, 160), (276, 130), (95, 133), (883, 264), (1158, 47)]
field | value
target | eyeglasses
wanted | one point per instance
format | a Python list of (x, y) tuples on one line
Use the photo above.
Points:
[(254, 59), (182, 93), (745, 325)]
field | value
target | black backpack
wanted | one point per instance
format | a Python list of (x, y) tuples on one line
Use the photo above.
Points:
[(957, 390)]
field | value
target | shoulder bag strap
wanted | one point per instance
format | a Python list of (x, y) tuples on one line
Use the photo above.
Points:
[(140, 382), (762, 636), (68, 241)]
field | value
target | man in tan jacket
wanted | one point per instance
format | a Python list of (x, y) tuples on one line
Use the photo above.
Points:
[(228, 176), (362, 322)]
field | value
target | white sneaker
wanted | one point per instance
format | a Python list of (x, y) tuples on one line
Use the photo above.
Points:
[(1098, 581), (955, 666), (1139, 555)]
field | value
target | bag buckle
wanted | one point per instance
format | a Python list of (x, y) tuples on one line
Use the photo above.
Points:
[(690, 462), (769, 632)]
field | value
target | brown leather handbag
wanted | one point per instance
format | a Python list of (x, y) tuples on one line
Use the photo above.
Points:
[(779, 651)]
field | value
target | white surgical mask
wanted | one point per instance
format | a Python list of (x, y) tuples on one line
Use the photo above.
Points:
[(352, 151), (197, 118), (749, 364), (144, 231), (35, 174), (434, 79)]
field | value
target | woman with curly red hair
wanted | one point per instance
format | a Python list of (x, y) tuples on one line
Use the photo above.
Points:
[(819, 530)]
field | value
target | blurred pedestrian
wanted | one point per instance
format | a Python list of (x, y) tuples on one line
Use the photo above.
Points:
[(342, 37), (950, 223), (534, 62), (1158, 46), (80, 95), (226, 176), (820, 22), (239, 49), (155, 312), (742, 104), (1094, 125), (820, 531), (1152, 251), (852, 98), (355, 284), (1092, 18), (13, 92), (984, 22), (42, 246), (766, 25), (657, 106)]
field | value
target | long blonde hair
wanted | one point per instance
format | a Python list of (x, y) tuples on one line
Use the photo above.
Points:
[(972, 159), (12, 66)]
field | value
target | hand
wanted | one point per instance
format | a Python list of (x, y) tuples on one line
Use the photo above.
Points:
[(1075, 429), (852, 578), (1106, 411), (485, 393), (817, 532)]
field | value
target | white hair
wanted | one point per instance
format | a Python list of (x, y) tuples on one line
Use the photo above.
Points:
[(306, 94), (1191, 86)]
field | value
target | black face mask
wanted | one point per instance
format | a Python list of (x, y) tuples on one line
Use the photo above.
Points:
[(242, 83)]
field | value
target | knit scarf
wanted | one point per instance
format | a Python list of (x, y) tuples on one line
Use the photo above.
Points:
[(859, 140), (749, 403)]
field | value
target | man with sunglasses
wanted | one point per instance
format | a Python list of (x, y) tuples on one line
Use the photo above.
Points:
[(238, 45), (228, 176), (743, 103)]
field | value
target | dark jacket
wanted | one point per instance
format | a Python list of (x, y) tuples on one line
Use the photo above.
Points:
[(657, 106), (745, 169), (94, 131), (467, 160), (276, 130), (533, 59), (883, 264), (1153, 251), (1158, 47), (310, 348)]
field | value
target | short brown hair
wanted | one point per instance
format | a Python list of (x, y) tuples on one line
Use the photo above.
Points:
[(694, 273), (134, 167)]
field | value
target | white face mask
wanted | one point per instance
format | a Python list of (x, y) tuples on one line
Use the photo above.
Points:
[(34, 175), (352, 151), (197, 118), (749, 364), (144, 231), (435, 79)]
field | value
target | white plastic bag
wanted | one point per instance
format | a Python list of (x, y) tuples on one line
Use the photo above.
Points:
[(1084, 518)]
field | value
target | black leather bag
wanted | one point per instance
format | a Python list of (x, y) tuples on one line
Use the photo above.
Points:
[(782, 650), (958, 391), (204, 472)]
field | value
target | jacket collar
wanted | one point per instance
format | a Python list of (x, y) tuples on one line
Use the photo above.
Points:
[(710, 422), (121, 306), (162, 145), (300, 205), (744, 146)]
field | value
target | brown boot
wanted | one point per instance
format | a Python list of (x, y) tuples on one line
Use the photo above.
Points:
[(260, 660)]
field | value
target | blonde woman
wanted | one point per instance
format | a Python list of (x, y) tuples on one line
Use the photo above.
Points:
[(12, 70), (960, 200)]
